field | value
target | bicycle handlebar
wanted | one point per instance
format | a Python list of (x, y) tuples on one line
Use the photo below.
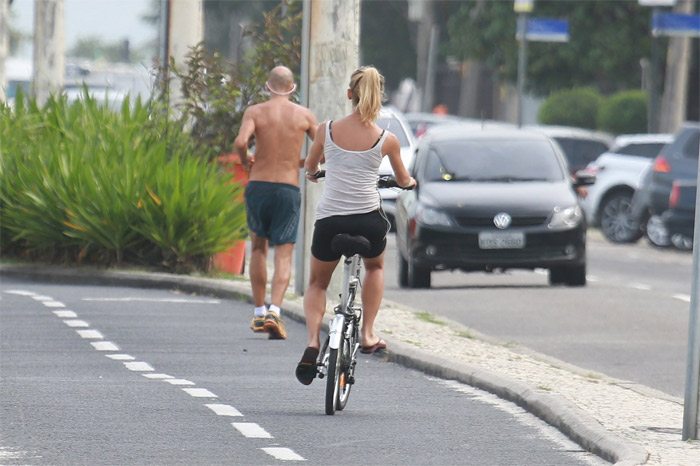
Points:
[(384, 181)]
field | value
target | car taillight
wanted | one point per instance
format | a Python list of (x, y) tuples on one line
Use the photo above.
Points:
[(675, 195), (661, 165), (412, 228)]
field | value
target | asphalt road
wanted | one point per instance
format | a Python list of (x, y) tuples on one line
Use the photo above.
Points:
[(630, 322), (119, 376)]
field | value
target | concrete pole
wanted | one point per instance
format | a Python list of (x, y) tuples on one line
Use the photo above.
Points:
[(49, 48), (333, 51), (673, 102), (4, 35), (185, 30)]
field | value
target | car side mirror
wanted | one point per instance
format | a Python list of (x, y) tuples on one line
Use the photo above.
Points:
[(583, 178)]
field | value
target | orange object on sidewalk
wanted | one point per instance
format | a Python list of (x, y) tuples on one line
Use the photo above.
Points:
[(233, 259)]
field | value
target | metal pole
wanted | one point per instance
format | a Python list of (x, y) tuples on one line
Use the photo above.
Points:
[(692, 374), (522, 63), (299, 246), (49, 48), (4, 34), (653, 119)]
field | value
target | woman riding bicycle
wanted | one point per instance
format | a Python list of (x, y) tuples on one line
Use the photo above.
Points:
[(352, 148)]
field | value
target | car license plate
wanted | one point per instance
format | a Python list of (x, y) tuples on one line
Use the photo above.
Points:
[(501, 240)]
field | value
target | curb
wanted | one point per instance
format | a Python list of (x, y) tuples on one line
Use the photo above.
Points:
[(551, 408)]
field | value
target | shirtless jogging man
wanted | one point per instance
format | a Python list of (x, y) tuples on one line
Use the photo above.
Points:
[(272, 196)]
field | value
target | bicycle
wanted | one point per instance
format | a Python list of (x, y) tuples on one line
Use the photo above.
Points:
[(338, 356)]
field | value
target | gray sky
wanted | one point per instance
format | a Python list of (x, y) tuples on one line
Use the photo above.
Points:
[(111, 20)]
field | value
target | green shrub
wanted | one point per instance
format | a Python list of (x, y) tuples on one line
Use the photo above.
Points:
[(574, 107), (77, 179), (624, 113)]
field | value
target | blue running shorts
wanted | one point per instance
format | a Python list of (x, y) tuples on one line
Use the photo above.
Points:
[(273, 210)]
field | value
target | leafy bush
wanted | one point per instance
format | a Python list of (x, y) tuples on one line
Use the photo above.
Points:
[(574, 107), (79, 180), (624, 113)]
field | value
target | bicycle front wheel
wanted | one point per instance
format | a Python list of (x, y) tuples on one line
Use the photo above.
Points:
[(337, 383)]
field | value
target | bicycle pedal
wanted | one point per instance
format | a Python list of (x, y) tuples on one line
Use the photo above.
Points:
[(321, 375), (351, 380)]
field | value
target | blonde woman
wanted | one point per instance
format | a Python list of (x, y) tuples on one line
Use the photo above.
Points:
[(352, 148)]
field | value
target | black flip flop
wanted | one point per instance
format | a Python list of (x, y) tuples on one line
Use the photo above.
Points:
[(378, 346), (306, 369)]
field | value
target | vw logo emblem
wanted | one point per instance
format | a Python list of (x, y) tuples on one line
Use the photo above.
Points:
[(502, 220)]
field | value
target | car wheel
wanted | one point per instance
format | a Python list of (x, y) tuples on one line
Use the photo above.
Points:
[(557, 275), (657, 232), (418, 277), (576, 276), (616, 221), (682, 242), (402, 270)]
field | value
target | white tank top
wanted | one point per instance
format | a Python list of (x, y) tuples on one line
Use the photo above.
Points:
[(350, 185)]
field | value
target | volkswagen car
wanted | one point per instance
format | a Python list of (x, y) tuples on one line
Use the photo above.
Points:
[(490, 200)]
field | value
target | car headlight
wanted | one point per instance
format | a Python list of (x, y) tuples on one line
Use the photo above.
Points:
[(430, 216), (563, 219)]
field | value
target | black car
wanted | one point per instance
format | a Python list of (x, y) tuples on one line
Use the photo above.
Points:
[(490, 200), (677, 161)]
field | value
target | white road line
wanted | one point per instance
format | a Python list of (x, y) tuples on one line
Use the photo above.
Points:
[(105, 346), (284, 454), (138, 366), (90, 334), (76, 323), (224, 410), (199, 392), (179, 382), (53, 304), (120, 357), (682, 297), (158, 376), (640, 286), (42, 298), (251, 430), (157, 300), (65, 314), (21, 292), (591, 278)]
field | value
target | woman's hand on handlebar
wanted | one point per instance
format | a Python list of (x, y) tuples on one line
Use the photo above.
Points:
[(411, 184)]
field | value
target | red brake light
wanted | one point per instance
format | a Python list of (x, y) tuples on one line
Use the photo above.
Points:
[(661, 165), (675, 195)]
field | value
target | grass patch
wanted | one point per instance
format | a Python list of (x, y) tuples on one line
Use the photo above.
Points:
[(414, 343), (465, 334), (545, 388), (428, 317), (388, 332), (593, 376)]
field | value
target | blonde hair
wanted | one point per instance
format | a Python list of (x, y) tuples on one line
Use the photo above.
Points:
[(367, 87)]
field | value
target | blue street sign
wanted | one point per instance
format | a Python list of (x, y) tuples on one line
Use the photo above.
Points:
[(676, 24), (546, 30)]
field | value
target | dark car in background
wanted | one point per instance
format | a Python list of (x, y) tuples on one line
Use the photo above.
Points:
[(490, 200), (581, 146), (677, 161)]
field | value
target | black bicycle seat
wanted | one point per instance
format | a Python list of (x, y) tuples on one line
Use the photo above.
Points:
[(349, 245)]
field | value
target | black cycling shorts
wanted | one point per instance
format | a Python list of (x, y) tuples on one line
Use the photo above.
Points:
[(373, 226)]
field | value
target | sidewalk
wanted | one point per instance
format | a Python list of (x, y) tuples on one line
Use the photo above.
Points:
[(623, 422)]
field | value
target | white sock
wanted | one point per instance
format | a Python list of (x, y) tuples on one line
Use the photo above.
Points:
[(260, 311), (275, 309)]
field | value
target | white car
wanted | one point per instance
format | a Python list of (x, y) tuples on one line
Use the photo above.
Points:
[(393, 120), (618, 174)]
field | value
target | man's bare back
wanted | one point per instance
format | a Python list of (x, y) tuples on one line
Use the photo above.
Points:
[(280, 128)]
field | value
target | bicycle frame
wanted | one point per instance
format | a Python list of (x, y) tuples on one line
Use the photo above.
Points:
[(351, 279)]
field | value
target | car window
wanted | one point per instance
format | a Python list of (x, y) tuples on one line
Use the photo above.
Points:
[(692, 146), (497, 161), (393, 125), (647, 149), (579, 152)]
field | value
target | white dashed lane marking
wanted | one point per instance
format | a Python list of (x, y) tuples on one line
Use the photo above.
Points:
[(199, 392), (158, 300), (121, 357), (21, 292), (158, 376), (90, 334), (251, 430), (139, 366), (284, 454), (42, 298), (76, 323), (104, 346), (224, 410), (682, 297), (53, 304), (65, 314), (179, 382)]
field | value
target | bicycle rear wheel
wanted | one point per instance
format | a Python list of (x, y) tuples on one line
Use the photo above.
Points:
[(338, 385)]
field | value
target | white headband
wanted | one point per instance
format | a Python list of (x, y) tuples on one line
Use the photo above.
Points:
[(269, 88)]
